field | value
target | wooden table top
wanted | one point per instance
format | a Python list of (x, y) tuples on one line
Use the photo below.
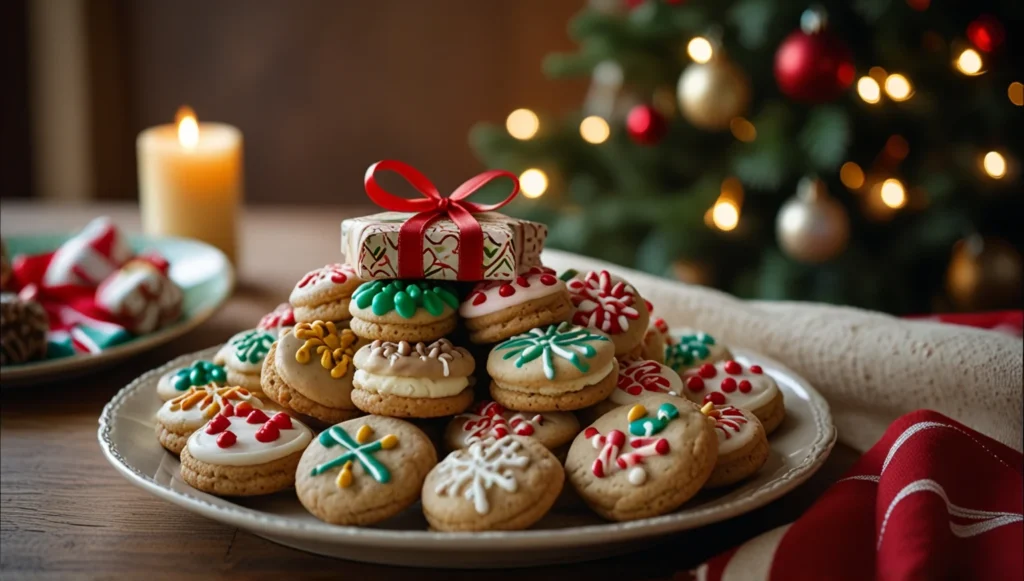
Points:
[(66, 513)]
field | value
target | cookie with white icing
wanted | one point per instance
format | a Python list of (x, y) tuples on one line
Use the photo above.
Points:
[(364, 470), (489, 419), (413, 380), (242, 356), (201, 372), (638, 378), (690, 349), (747, 387), (404, 310), (643, 460), (560, 367), (244, 452), (497, 310), (309, 370), (279, 321), (742, 445), (178, 418), (495, 484), (324, 294), (608, 303)]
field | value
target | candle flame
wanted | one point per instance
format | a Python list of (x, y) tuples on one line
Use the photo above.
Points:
[(188, 127)]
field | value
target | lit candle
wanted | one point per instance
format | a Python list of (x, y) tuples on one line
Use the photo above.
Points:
[(190, 180)]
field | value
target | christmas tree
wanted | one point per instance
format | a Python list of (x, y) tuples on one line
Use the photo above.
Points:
[(862, 153)]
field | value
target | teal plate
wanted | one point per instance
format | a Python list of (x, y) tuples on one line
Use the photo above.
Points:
[(203, 273)]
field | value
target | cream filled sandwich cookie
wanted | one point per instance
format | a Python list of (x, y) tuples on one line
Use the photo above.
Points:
[(747, 387)]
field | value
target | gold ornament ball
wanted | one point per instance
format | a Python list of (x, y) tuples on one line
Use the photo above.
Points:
[(984, 273), (712, 93), (812, 226)]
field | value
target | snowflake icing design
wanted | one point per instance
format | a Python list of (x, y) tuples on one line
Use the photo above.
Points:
[(564, 340), (602, 303), (479, 468), (689, 350)]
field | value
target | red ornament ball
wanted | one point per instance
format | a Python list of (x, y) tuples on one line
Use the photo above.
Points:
[(645, 125), (986, 33), (813, 68)]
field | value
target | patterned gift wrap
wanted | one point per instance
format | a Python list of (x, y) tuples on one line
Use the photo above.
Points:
[(511, 246)]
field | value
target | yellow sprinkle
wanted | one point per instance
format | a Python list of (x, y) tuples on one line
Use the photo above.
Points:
[(636, 412), (212, 410), (708, 408), (389, 442), (345, 476), (364, 434)]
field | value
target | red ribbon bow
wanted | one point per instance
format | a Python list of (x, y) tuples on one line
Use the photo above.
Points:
[(431, 207)]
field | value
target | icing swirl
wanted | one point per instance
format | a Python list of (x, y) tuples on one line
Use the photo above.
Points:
[(334, 347)]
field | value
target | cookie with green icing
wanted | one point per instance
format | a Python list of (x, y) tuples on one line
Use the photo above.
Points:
[(689, 349), (242, 357), (200, 372), (559, 367), (399, 310)]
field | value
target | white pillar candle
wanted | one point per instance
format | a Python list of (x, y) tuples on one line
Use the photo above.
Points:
[(190, 180)]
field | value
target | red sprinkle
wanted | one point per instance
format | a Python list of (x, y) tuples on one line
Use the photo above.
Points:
[(707, 371), (521, 281), (547, 280), (661, 446), (756, 369), (733, 368), (745, 386), (282, 420), (479, 298), (226, 440), (217, 425), (506, 290), (268, 433), (243, 409), (695, 383), (715, 397), (728, 385), (256, 417), (228, 410)]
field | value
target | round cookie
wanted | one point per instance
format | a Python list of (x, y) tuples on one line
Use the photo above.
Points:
[(309, 370), (497, 310), (244, 453), (644, 460), (742, 445), (488, 419), (655, 340), (179, 417), (561, 368), (23, 328), (200, 372), (278, 321), (638, 379), (413, 380), (613, 306), (691, 349), (495, 484), (324, 294), (731, 383), (399, 310), (242, 356), (364, 470)]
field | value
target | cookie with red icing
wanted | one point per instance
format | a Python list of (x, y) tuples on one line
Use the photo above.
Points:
[(279, 321), (179, 417), (489, 419), (497, 310), (742, 445), (732, 383), (638, 379), (244, 451), (608, 303), (324, 294)]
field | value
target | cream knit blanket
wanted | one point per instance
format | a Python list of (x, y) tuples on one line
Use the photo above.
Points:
[(871, 367)]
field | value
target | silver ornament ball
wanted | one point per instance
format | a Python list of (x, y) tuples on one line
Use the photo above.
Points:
[(812, 226), (711, 94)]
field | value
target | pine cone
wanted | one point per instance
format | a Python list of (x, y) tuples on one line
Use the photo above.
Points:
[(23, 328)]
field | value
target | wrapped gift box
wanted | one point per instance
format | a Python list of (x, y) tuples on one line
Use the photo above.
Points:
[(511, 246)]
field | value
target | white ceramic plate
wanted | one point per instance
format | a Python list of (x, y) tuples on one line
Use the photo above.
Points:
[(799, 447), (203, 273)]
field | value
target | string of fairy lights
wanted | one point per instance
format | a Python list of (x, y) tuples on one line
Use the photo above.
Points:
[(872, 88)]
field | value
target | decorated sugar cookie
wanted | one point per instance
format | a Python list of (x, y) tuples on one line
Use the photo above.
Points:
[(497, 310), (613, 306), (742, 445), (643, 460), (413, 380), (489, 419), (141, 296), (309, 370), (561, 367), (747, 387), (279, 321), (324, 294), (242, 356), (655, 339), (691, 349), (400, 310), (363, 471), (200, 372), (244, 452), (494, 484), (23, 328), (179, 417), (638, 378)]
